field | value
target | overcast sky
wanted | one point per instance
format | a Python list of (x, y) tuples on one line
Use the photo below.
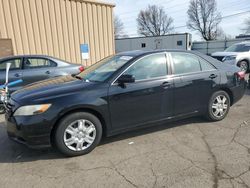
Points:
[(128, 10)]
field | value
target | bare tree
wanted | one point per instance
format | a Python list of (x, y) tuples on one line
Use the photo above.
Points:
[(119, 28), (247, 25), (204, 18), (221, 35), (153, 21)]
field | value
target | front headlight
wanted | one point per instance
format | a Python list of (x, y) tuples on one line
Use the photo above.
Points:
[(32, 110), (229, 58)]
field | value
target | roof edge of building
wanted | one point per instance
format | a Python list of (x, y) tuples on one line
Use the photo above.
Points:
[(152, 36), (96, 2)]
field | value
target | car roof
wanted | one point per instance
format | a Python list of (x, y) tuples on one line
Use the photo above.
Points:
[(57, 60), (136, 53), (23, 56)]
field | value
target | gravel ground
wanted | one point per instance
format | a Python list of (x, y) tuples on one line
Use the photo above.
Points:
[(189, 153)]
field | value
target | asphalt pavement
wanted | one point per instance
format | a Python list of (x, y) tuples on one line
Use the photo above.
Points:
[(189, 153)]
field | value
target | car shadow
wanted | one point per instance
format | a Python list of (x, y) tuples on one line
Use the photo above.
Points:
[(12, 152)]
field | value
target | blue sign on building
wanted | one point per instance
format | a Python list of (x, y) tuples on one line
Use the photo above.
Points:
[(84, 51)]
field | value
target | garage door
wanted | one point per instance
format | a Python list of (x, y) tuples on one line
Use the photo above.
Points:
[(6, 48)]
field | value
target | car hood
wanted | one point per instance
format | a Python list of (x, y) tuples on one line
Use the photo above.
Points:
[(225, 54), (49, 89)]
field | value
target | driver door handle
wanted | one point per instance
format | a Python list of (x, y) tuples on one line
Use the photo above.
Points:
[(47, 72)]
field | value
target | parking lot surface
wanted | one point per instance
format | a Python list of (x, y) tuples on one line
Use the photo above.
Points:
[(188, 153)]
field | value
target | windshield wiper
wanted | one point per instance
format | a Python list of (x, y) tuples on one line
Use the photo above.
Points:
[(87, 80)]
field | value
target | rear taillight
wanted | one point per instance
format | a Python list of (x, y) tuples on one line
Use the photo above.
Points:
[(81, 68), (241, 75)]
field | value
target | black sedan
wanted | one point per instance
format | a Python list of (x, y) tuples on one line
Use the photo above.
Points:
[(33, 68), (121, 93)]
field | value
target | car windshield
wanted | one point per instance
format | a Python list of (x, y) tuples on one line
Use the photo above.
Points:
[(238, 48), (103, 69)]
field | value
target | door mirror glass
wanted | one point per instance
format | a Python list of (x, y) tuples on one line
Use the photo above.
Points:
[(126, 78)]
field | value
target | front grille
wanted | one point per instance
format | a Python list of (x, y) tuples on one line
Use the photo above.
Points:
[(8, 107), (218, 57)]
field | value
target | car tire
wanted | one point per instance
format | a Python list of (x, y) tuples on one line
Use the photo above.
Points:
[(244, 66), (218, 106), (73, 136)]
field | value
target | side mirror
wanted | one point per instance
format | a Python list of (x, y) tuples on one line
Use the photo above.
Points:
[(125, 78)]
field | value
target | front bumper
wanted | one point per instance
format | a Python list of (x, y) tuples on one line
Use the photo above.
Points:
[(33, 131)]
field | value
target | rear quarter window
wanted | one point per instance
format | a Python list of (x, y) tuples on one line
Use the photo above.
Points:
[(206, 66)]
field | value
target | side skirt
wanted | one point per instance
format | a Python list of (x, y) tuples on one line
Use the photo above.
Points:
[(151, 123)]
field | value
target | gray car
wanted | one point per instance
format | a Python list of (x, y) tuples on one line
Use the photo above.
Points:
[(236, 55), (33, 68)]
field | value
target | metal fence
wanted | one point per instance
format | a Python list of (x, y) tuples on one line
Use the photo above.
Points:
[(209, 47)]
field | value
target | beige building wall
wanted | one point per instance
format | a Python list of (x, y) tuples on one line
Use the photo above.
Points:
[(58, 27)]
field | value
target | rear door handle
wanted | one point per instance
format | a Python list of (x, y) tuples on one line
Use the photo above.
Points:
[(17, 75), (213, 76), (166, 85), (47, 72)]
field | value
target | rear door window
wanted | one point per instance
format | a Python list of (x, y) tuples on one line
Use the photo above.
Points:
[(185, 63), (38, 63)]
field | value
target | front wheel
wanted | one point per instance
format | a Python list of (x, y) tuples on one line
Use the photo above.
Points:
[(244, 66), (218, 107), (78, 134)]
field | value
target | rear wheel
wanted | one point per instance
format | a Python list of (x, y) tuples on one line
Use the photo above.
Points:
[(244, 66), (78, 134), (218, 107)]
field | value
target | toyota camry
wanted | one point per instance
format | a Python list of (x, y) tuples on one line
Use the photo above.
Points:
[(121, 93)]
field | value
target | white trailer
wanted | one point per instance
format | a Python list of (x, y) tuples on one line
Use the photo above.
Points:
[(173, 41)]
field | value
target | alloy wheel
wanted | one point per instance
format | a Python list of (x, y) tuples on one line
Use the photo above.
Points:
[(79, 135), (244, 66), (220, 106)]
